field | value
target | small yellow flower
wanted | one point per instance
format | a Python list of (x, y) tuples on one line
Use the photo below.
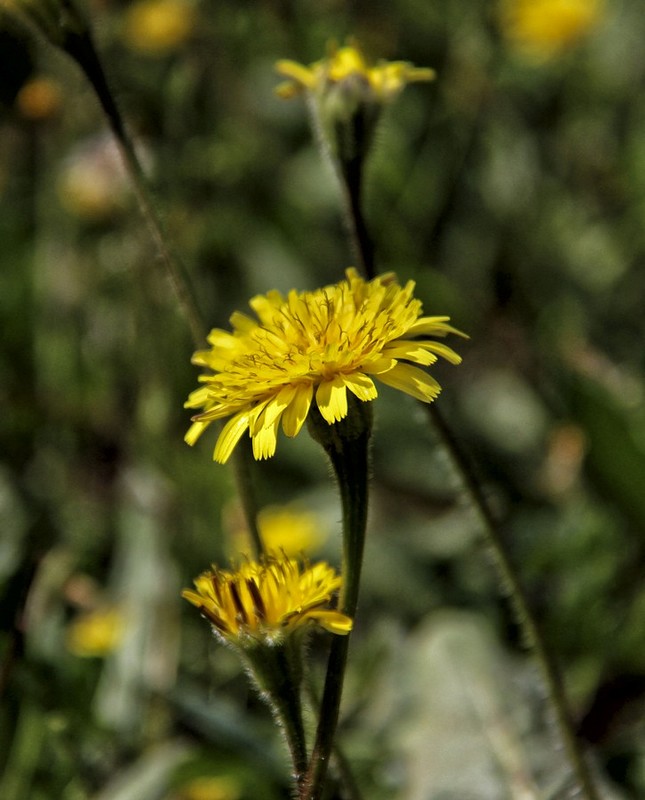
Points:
[(157, 27), (40, 98), (210, 788), (314, 345), (283, 529), (95, 633), (263, 602), (542, 29), (347, 65)]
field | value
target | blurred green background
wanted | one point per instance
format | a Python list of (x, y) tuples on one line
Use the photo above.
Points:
[(512, 190)]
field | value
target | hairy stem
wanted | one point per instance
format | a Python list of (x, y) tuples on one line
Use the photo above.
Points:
[(349, 459), (529, 625)]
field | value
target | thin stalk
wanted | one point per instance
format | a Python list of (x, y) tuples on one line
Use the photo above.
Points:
[(531, 630), (81, 48), (349, 459), (526, 619), (347, 780), (349, 174), (277, 673), (174, 269), (242, 463), (289, 710), (351, 178)]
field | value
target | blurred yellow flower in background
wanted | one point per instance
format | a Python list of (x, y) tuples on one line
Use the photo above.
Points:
[(157, 27), (542, 29), (314, 347), (347, 65), (39, 98), (283, 529), (263, 602), (209, 787), (95, 633)]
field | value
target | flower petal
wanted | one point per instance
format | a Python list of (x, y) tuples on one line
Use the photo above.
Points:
[(273, 409), (195, 431), (265, 439), (331, 398), (410, 351), (199, 398), (297, 72), (361, 386), (441, 350), (412, 381), (332, 621), (296, 412), (230, 435), (433, 326), (378, 366)]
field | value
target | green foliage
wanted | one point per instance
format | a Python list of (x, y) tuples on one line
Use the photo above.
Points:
[(512, 191)]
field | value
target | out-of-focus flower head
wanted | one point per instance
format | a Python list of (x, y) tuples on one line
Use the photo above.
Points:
[(348, 94), (264, 602), (207, 787), (314, 347), (96, 633), (40, 98), (542, 29), (283, 529), (347, 69), (158, 27)]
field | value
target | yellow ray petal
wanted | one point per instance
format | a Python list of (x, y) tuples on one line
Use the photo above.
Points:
[(331, 399), (230, 436), (361, 386), (296, 413), (412, 381)]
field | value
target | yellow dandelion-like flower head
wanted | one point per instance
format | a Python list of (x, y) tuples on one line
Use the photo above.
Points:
[(158, 27), (314, 347), (541, 29), (262, 602), (96, 633), (40, 98), (289, 529), (346, 67)]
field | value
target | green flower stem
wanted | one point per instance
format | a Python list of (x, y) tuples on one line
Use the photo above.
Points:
[(242, 462), (346, 778), (347, 166), (347, 445), (277, 672), (350, 175), (529, 625), (74, 36)]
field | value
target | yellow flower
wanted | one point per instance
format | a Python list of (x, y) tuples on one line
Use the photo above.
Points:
[(95, 633), (543, 28), (40, 98), (157, 27), (318, 345), (263, 602), (210, 788), (283, 529), (347, 66)]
